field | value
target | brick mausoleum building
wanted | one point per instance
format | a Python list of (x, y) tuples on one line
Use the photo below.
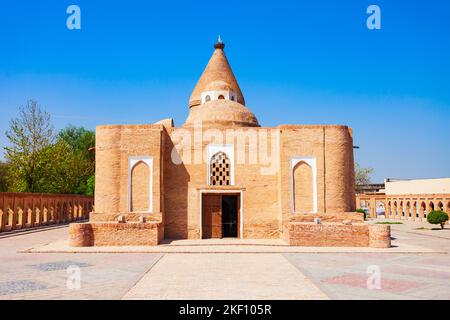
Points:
[(223, 175)]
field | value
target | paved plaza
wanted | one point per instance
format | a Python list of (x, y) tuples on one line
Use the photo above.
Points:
[(420, 271)]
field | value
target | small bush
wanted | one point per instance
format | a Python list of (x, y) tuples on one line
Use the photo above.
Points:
[(437, 217), (360, 210)]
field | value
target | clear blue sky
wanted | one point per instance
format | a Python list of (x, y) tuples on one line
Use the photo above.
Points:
[(306, 62)]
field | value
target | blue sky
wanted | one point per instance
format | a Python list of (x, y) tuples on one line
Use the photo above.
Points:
[(305, 62)]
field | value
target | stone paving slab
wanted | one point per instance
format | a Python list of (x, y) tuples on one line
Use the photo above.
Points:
[(402, 276), (418, 227), (198, 246), (340, 275), (224, 276), (45, 276)]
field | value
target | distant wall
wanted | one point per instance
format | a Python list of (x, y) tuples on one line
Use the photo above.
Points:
[(417, 187)]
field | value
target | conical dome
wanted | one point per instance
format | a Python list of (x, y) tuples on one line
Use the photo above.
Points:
[(217, 99), (218, 70)]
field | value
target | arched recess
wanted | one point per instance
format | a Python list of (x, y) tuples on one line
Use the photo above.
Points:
[(380, 208), (304, 184), (415, 210), (140, 184), (440, 206), (430, 206), (423, 210)]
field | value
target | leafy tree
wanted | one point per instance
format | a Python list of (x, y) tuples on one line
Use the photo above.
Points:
[(79, 139), (39, 161), (362, 175), (4, 166), (81, 165), (28, 135), (90, 186)]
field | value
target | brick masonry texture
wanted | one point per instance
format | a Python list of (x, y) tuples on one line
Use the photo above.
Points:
[(267, 204), (338, 235), (115, 234)]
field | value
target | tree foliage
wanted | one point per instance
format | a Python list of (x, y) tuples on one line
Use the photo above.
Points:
[(39, 161), (4, 166), (437, 217), (362, 175), (28, 135)]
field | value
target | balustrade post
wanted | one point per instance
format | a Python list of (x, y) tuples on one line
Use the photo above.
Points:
[(38, 219), (44, 216), (20, 221), (2, 220), (75, 210), (33, 215), (12, 219)]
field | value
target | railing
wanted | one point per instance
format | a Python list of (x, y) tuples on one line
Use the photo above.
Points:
[(30, 210), (403, 207)]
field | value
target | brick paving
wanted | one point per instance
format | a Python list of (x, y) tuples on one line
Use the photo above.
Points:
[(243, 276)]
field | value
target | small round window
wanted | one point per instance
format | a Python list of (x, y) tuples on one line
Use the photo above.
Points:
[(207, 98), (221, 97)]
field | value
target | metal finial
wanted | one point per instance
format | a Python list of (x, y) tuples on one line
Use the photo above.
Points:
[(219, 44)]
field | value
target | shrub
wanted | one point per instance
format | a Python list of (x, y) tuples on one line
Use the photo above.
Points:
[(360, 210), (437, 217)]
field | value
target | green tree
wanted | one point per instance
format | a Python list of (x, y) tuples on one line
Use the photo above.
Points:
[(4, 167), (437, 217), (39, 161), (28, 134), (90, 186), (79, 139), (79, 168)]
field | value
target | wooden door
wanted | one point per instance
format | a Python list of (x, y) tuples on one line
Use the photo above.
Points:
[(211, 216)]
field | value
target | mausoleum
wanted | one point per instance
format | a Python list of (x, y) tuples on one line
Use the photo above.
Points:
[(221, 174)]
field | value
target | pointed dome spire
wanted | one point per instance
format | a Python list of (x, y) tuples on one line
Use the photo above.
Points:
[(217, 100), (218, 71)]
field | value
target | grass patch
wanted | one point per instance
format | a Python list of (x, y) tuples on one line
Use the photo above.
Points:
[(389, 222)]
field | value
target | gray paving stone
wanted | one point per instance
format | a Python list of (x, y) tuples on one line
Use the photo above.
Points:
[(59, 265), (20, 286)]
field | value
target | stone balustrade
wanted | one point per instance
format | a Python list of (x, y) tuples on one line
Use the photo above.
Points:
[(29, 210), (403, 207)]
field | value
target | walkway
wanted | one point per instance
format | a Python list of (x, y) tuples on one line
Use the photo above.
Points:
[(335, 275)]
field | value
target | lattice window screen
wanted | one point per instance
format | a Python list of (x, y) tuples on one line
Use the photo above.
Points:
[(220, 168)]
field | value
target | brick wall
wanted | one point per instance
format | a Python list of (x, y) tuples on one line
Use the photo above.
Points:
[(115, 234), (267, 198), (337, 235)]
